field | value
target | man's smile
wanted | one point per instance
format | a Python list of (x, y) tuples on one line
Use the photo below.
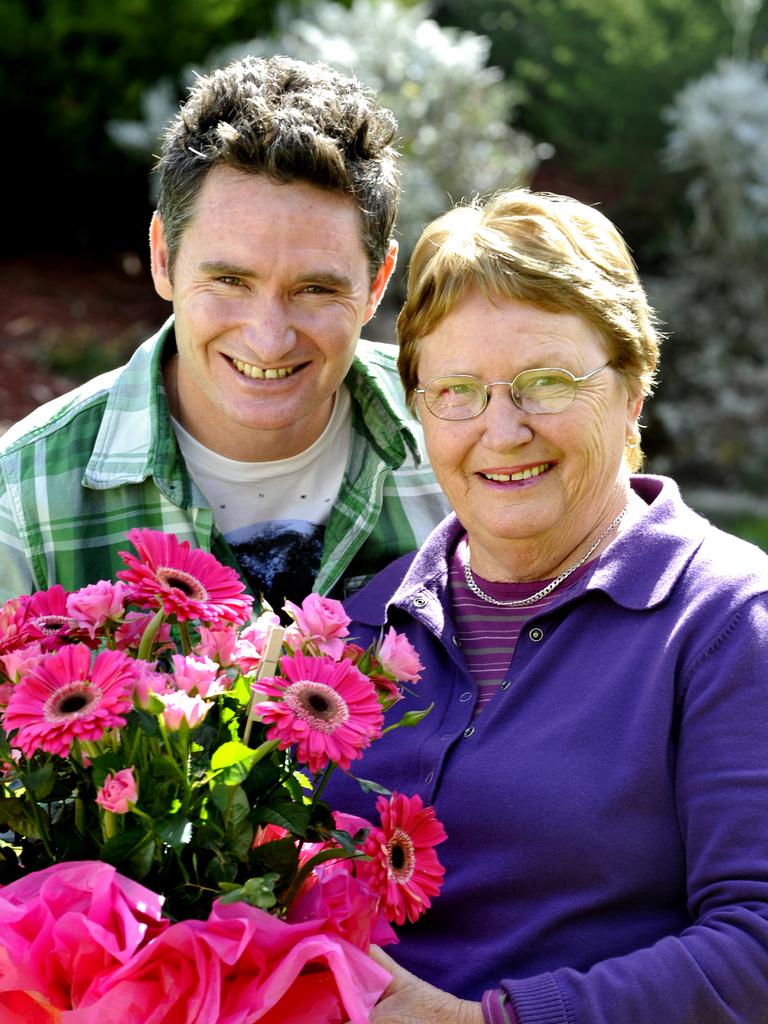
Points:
[(259, 373)]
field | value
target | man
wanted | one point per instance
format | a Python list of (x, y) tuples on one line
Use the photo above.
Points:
[(249, 424)]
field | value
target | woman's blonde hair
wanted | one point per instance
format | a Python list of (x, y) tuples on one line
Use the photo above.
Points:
[(551, 251)]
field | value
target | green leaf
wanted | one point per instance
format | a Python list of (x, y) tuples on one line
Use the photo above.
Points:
[(295, 788), (175, 831), (40, 783), (16, 815), (229, 754), (369, 786), (234, 808), (281, 856), (164, 767), (348, 842), (262, 778), (147, 720), (287, 815), (104, 764), (232, 762), (257, 892), (223, 873), (131, 851)]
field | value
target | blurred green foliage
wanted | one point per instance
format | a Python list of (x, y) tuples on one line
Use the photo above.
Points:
[(455, 114), (66, 68), (597, 74), (751, 528)]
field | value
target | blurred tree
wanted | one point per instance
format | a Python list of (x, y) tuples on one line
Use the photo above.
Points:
[(712, 400), (454, 111), (66, 68), (597, 74)]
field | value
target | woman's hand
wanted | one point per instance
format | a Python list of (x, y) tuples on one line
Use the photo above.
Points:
[(408, 1000)]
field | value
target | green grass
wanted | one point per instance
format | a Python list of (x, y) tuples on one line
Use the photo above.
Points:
[(752, 528)]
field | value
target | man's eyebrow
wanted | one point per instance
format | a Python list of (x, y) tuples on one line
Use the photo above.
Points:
[(324, 278), (224, 268), (329, 279)]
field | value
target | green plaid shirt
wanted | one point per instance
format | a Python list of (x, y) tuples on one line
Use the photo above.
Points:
[(82, 470)]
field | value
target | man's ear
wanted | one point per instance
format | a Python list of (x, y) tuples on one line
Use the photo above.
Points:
[(158, 249), (380, 281)]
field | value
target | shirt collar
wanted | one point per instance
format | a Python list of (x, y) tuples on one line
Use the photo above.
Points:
[(136, 439), (638, 570), (381, 419)]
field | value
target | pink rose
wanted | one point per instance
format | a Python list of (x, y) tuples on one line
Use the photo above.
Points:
[(181, 709), (150, 681), (93, 606), (119, 792), (129, 633), (220, 644), (201, 674), (22, 660), (398, 657), (252, 642), (320, 621)]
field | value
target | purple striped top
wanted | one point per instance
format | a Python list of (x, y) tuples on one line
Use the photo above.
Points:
[(487, 632)]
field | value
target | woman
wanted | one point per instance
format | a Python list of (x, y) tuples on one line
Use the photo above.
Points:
[(593, 649)]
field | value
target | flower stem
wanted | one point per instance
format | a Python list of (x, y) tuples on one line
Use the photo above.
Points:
[(148, 639), (323, 782), (109, 824), (186, 645), (80, 815), (42, 829)]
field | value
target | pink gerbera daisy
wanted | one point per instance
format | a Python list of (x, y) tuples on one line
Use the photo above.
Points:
[(184, 581), (328, 709), (404, 867), (66, 697), (47, 618)]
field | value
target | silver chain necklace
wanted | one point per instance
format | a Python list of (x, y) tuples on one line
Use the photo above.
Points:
[(551, 585)]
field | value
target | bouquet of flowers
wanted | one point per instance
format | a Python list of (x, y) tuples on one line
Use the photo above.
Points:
[(166, 855)]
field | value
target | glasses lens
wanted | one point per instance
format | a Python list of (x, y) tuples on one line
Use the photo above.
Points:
[(455, 398), (544, 390)]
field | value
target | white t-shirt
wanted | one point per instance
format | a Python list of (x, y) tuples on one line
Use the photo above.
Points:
[(274, 514)]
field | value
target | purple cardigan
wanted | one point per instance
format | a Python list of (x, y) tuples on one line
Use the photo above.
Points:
[(607, 814)]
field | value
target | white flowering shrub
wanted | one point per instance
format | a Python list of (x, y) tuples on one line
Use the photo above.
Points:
[(454, 111), (720, 133), (712, 402)]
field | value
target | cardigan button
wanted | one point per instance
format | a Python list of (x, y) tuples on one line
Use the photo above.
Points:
[(456, 641), (535, 634), (506, 684), (468, 731), (419, 602)]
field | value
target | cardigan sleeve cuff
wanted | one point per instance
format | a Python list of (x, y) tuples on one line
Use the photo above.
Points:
[(497, 1009), (537, 1000)]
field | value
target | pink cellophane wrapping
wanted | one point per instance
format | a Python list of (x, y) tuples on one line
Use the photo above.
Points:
[(81, 944)]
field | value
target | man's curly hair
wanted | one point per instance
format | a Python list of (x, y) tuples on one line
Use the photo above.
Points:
[(291, 121)]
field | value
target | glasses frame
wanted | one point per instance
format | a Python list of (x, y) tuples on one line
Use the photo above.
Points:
[(511, 385)]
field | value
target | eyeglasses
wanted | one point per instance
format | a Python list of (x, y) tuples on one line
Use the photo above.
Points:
[(543, 390)]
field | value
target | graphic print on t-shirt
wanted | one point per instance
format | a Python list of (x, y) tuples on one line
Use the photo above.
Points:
[(280, 559)]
